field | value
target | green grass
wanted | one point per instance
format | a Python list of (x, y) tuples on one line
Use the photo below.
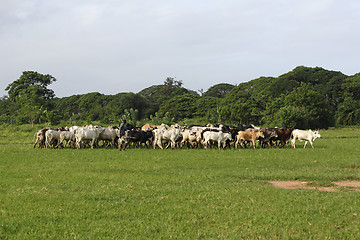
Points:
[(182, 194)]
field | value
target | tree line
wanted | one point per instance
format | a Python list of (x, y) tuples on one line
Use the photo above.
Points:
[(303, 98)]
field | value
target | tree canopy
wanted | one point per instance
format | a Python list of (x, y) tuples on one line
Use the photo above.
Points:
[(219, 90), (302, 98), (29, 96)]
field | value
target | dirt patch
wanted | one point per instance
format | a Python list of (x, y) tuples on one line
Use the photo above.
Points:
[(353, 185), (289, 184)]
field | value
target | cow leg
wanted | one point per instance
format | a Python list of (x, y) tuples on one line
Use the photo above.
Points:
[(57, 145), (181, 144), (47, 143), (282, 143), (310, 143), (159, 144), (121, 144), (236, 143)]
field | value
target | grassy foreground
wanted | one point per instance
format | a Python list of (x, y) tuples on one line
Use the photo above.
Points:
[(182, 194)]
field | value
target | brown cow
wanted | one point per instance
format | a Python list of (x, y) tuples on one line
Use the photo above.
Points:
[(283, 135), (148, 126), (248, 136)]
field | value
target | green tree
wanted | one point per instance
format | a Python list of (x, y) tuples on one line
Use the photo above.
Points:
[(29, 94), (219, 90), (160, 118), (348, 111), (240, 107), (206, 109), (290, 116), (131, 116), (156, 95), (5, 116), (314, 107), (180, 107), (68, 107)]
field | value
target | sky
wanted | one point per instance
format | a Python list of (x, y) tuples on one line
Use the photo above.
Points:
[(114, 46)]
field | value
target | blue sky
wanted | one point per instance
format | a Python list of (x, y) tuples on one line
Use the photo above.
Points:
[(112, 46)]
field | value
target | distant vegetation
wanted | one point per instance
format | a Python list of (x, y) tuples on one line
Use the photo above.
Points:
[(303, 98)]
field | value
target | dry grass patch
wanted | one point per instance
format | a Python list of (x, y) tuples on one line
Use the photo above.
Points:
[(351, 185)]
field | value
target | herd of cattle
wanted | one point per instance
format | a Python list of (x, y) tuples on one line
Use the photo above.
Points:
[(175, 136)]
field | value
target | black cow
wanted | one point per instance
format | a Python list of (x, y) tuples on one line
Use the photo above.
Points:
[(140, 136), (270, 135)]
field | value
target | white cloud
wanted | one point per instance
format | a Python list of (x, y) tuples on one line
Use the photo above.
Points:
[(115, 46)]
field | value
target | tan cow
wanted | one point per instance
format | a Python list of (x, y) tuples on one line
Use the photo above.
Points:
[(248, 136), (148, 126)]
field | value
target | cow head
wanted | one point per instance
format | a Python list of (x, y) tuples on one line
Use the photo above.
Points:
[(260, 134), (228, 135), (270, 133), (317, 134)]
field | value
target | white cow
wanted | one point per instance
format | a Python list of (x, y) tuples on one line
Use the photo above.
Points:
[(73, 128), (307, 135), (67, 136), (191, 135), (219, 137), (168, 134), (109, 134), (87, 133), (52, 137)]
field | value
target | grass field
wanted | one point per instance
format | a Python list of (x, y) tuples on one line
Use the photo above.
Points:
[(182, 194)]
